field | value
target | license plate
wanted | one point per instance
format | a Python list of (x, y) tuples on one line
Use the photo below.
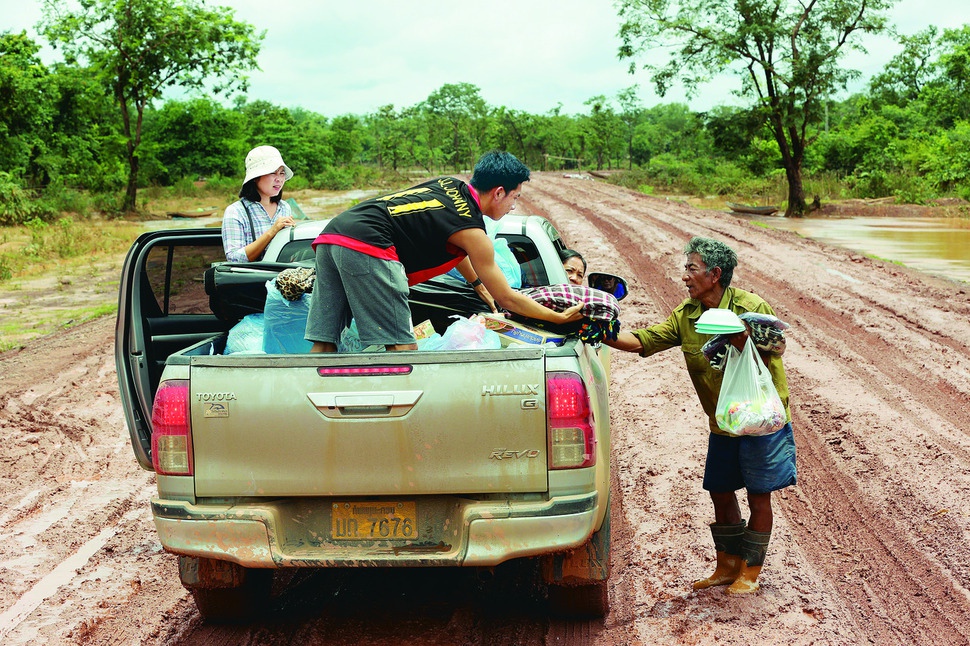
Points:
[(364, 521)]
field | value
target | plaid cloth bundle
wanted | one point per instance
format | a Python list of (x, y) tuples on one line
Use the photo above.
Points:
[(597, 304)]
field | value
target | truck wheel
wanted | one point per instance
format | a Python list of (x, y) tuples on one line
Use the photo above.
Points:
[(223, 591), (591, 601), (578, 580)]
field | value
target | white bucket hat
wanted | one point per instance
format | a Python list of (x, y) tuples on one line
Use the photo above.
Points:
[(263, 160)]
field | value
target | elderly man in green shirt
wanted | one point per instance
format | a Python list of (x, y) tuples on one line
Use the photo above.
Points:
[(759, 464)]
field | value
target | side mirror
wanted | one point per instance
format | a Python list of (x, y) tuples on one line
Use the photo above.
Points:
[(608, 283)]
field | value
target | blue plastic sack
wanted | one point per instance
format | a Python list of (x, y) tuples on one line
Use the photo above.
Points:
[(284, 323), (505, 260), (246, 336)]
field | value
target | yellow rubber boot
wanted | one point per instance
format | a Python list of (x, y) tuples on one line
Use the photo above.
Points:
[(726, 571), (754, 546), (747, 581), (727, 542)]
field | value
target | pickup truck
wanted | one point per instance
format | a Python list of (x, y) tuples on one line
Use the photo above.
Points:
[(462, 458)]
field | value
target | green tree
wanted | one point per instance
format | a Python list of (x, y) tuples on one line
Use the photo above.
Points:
[(389, 136), (26, 109), (631, 112), (603, 130), (460, 113), (346, 134), (908, 72), (143, 47), (559, 140), (787, 53), (948, 94), (84, 148), (309, 151), (195, 138)]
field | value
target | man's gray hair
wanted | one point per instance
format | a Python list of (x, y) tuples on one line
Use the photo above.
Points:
[(714, 254)]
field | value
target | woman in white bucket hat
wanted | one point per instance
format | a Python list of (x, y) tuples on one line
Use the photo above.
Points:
[(250, 223)]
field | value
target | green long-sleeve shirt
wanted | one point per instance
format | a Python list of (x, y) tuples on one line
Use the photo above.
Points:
[(679, 330)]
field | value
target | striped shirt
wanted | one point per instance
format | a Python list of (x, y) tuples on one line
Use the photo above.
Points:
[(243, 222)]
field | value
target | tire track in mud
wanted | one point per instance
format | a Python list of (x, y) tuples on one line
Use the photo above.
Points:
[(894, 588), (623, 579), (894, 591)]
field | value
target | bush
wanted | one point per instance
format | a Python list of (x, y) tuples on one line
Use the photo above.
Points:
[(67, 200), (108, 203), (17, 205), (297, 183), (335, 179), (185, 187)]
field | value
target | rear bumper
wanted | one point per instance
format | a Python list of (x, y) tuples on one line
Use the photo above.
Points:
[(296, 533)]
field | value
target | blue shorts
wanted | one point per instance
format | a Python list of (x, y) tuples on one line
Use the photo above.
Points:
[(372, 291), (760, 464)]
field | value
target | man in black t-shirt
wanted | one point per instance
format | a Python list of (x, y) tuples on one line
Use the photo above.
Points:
[(368, 256)]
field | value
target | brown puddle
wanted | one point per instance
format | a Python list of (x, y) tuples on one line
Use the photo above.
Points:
[(939, 246)]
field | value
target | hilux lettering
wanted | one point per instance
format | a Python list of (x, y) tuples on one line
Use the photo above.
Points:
[(510, 389)]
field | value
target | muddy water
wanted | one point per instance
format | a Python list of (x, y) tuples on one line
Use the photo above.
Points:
[(939, 246)]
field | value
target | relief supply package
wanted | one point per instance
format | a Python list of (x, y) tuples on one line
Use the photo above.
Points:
[(284, 322), (748, 403), (246, 336), (514, 332), (463, 334)]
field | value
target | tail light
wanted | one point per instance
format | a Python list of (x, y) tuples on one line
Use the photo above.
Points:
[(572, 442), (171, 431)]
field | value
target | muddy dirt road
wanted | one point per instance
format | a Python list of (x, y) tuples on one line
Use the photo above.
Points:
[(871, 547)]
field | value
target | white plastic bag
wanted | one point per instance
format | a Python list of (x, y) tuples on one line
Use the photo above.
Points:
[(463, 334), (749, 403)]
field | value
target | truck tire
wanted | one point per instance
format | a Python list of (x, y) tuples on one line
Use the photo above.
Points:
[(575, 593), (591, 601), (225, 592)]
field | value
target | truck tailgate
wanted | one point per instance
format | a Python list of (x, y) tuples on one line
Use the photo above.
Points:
[(423, 423)]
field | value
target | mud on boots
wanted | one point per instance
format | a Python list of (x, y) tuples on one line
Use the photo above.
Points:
[(727, 542), (754, 546)]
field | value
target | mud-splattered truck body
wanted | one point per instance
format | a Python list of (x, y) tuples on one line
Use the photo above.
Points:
[(464, 458)]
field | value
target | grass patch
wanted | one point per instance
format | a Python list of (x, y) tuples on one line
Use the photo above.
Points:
[(16, 334), (37, 247)]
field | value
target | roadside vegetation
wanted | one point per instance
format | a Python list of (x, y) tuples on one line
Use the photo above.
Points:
[(94, 133), (90, 146)]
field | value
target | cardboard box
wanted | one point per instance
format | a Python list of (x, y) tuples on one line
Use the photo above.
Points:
[(513, 332)]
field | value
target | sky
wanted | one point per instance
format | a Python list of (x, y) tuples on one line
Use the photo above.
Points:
[(354, 56)]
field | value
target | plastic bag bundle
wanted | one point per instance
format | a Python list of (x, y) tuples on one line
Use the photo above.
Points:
[(349, 339), (463, 334), (246, 336), (748, 403), (767, 331), (284, 323)]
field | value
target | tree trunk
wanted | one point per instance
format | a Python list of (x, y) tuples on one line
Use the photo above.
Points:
[(792, 154), (131, 193), (796, 192)]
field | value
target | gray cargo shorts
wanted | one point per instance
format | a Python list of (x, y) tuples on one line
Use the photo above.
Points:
[(372, 291)]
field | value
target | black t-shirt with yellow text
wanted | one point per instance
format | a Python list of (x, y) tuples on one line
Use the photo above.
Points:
[(412, 226)]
